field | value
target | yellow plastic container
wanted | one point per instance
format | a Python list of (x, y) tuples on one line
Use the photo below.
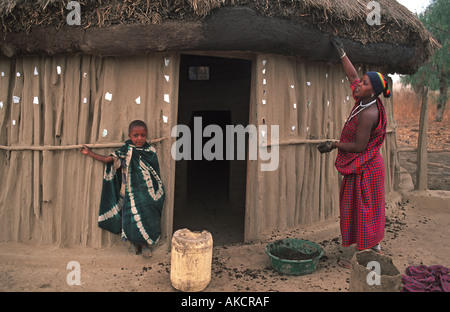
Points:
[(191, 260)]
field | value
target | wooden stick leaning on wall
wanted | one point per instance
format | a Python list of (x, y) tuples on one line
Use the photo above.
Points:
[(414, 150), (294, 141), (298, 141), (115, 145), (59, 148), (68, 147)]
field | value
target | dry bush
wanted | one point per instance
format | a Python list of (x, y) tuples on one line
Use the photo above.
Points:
[(407, 115)]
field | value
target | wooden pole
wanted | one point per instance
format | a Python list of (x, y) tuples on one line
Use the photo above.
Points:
[(115, 145), (414, 150), (297, 141), (59, 148), (36, 141), (422, 154)]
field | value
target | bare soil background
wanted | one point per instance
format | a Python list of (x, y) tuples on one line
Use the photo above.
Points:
[(407, 116), (414, 235)]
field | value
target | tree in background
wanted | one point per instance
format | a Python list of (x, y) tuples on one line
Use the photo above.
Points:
[(435, 74)]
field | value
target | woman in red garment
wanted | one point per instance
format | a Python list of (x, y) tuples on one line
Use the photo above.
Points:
[(362, 203)]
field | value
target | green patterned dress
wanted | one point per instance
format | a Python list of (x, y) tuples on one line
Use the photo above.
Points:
[(133, 195)]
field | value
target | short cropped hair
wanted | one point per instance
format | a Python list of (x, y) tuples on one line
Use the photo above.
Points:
[(136, 123)]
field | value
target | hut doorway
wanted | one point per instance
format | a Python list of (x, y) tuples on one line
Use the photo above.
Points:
[(210, 194)]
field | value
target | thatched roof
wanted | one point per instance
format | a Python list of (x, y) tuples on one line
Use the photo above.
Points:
[(342, 18)]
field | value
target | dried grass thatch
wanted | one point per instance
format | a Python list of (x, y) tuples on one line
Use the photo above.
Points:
[(343, 18)]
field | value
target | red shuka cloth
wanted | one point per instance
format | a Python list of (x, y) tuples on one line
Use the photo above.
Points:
[(420, 278), (362, 202)]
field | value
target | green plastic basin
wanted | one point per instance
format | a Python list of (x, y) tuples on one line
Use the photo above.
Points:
[(294, 256)]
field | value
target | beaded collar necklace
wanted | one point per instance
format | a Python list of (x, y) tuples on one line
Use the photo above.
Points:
[(358, 109)]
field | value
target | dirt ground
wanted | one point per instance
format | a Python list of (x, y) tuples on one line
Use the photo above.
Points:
[(415, 234)]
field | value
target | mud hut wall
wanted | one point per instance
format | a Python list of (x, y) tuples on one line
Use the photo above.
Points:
[(309, 101), (52, 195)]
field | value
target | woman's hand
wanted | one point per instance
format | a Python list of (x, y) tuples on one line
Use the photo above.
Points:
[(349, 69), (326, 147), (338, 46)]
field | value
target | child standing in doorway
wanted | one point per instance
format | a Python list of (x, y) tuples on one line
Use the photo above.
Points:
[(132, 195)]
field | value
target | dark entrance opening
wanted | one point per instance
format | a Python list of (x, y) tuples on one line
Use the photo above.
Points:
[(210, 194)]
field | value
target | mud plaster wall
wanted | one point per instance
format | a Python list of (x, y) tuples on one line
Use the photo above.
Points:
[(309, 101), (52, 196)]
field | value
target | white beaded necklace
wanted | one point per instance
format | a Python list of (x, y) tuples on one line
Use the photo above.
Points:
[(358, 109)]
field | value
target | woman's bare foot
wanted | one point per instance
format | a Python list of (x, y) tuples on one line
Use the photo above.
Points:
[(345, 263)]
